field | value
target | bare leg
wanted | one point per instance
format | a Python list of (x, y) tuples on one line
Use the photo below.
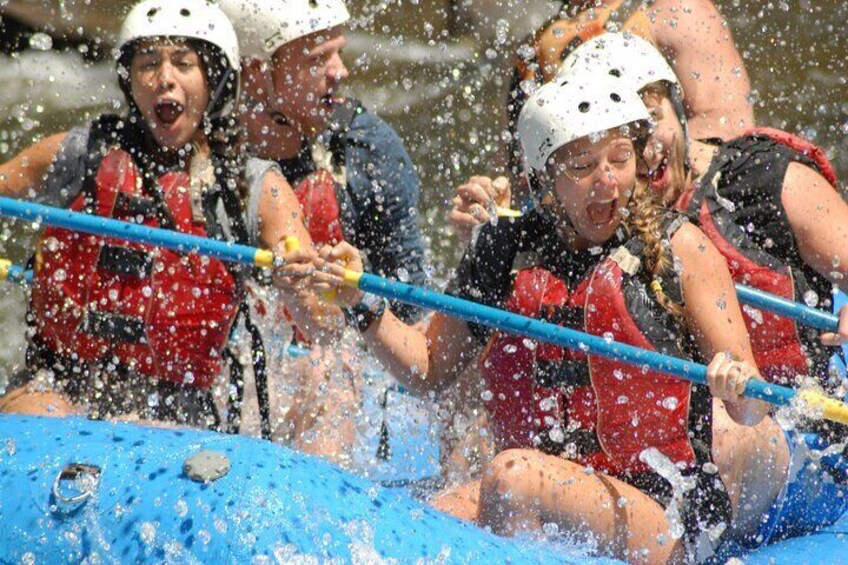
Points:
[(461, 501), (35, 403), (323, 418), (753, 463), (524, 489)]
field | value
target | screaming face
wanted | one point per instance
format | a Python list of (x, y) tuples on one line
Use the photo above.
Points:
[(593, 181), (169, 87)]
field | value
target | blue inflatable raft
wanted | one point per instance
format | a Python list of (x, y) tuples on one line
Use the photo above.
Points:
[(74, 489)]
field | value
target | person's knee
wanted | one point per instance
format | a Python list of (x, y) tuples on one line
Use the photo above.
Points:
[(25, 402), (505, 476)]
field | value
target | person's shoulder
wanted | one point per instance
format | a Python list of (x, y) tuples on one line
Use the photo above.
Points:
[(368, 126), (256, 169)]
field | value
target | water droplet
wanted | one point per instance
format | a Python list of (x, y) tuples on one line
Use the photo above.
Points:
[(41, 42), (510, 348), (60, 275), (811, 299), (670, 403), (550, 528), (618, 374), (486, 395), (147, 533), (556, 435), (153, 400), (181, 508), (608, 337), (622, 400), (529, 344), (403, 275), (147, 291), (11, 447)]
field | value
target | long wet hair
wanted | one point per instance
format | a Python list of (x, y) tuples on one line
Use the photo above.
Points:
[(646, 221), (678, 158)]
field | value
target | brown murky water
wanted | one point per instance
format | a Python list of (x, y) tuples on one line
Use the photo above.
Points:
[(442, 93)]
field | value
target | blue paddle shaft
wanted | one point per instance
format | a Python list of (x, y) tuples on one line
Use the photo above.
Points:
[(19, 275), (799, 312), (98, 225), (558, 335), (464, 309)]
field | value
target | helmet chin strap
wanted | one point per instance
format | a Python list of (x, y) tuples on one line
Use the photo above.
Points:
[(219, 91), (680, 110)]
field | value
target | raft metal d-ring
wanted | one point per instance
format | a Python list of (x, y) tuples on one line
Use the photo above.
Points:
[(74, 472)]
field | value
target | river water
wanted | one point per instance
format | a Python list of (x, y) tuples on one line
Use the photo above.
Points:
[(443, 93)]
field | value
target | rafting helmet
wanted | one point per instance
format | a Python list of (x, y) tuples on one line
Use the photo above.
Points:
[(563, 111), (629, 58), (265, 25), (193, 20)]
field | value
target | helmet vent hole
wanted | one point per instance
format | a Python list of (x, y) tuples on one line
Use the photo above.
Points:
[(584, 107), (615, 97), (152, 12), (615, 72), (185, 12)]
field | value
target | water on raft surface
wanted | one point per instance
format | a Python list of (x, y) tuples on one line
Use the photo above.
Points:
[(440, 82)]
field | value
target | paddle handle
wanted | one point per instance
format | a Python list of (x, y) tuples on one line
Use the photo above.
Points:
[(801, 313), (173, 240), (573, 339)]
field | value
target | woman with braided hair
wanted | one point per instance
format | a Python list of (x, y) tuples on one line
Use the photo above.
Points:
[(588, 444)]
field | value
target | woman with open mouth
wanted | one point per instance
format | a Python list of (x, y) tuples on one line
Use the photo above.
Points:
[(127, 330), (767, 201), (587, 445)]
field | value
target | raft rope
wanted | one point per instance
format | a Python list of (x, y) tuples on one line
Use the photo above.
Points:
[(831, 409)]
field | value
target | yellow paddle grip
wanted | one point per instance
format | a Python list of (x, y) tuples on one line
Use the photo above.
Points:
[(832, 409)]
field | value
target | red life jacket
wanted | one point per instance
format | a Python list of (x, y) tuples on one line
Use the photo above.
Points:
[(157, 312), (316, 194), (604, 413), (775, 339)]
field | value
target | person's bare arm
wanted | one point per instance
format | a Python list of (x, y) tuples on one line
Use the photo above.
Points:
[(713, 315), (819, 220), (422, 361), (26, 171), (698, 43), (280, 217)]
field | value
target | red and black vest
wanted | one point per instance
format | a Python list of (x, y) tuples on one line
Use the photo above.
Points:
[(598, 412), (153, 311), (778, 348), (319, 194)]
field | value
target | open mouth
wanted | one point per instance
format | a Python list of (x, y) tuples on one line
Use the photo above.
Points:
[(329, 100), (601, 213), (168, 111), (658, 177)]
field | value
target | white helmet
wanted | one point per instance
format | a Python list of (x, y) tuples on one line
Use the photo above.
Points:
[(563, 111), (192, 19), (264, 25), (189, 19), (627, 57), (620, 55)]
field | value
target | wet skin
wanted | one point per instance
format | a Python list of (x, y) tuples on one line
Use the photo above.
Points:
[(169, 87), (589, 180), (304, 75)]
